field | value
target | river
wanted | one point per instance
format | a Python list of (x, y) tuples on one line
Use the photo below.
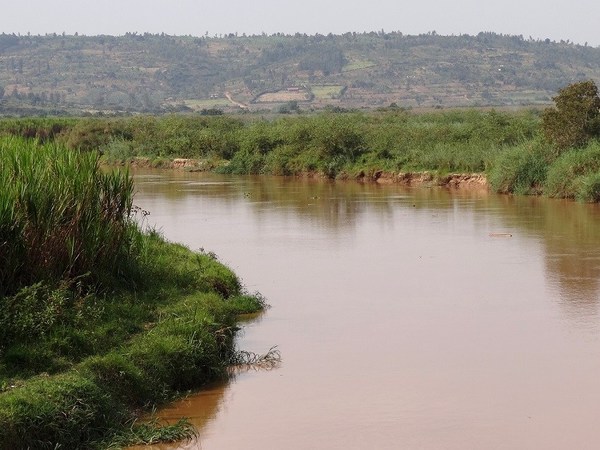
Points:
[(406, 318)]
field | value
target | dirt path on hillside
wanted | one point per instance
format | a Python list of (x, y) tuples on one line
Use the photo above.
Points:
[(230, 98)]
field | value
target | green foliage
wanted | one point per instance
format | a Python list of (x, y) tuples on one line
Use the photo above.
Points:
[(97, 319), (246, 304), (342, 144), (174, 333), (41, 129), (31, 313), (117, 150), (68, 409), (119, 377), (329, 143), (520, 169), (393, 140), (339, 135), (188, 345), (60, 217), (575, 119), (574, 174), (86, 74), (192, 348), (153, 432), (89, 135), (589, 188)]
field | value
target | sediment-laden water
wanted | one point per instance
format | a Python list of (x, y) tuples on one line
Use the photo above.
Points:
[(416, 319)]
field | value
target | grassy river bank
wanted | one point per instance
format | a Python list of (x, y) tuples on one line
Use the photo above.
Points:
[(508, 150), (99, 319)]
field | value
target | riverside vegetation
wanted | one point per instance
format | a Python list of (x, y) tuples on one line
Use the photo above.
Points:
[(99, 319), (555, 152)]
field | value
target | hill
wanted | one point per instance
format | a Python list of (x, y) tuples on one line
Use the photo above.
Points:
[(62, 74)]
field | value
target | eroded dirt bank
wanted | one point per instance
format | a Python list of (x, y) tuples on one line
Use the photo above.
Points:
[(452, 180)]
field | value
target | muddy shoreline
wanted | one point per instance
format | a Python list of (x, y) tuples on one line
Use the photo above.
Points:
[(426, 178)]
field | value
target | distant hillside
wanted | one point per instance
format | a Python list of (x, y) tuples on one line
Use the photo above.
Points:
[(160, 73)]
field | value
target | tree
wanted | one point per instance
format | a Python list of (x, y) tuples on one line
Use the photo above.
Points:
[(576, 117)]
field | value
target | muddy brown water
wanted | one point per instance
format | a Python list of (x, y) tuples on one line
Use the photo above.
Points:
[(406, 318)]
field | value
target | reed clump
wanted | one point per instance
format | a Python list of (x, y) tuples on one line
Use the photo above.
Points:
[(61, 217)]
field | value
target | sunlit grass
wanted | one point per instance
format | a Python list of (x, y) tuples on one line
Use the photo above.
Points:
[(60, 216)]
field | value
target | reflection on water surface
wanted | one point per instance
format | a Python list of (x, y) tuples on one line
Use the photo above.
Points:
[(402, 321)]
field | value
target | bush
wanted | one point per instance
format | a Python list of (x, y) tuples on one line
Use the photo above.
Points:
[(575, 119), (32, 312), (185, 344), (589, 188), (80, 280), (519, 170), (573, 174)]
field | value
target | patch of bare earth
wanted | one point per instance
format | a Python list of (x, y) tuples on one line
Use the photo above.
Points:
[(454, 180)]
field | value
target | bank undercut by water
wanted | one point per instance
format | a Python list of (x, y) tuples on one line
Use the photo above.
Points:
[(99, 320)]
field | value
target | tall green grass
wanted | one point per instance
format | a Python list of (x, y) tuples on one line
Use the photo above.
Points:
[(97, 318), (505, 146), (330, 143), (61, 217), (333, 143), (576, 174), (520, 169)]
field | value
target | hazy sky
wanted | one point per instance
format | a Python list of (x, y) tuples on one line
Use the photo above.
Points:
[(575, 20)]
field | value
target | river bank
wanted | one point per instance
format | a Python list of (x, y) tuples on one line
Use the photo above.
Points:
[(426, 178), (509, 150), (328, 143), (185, 342), (101, 319)]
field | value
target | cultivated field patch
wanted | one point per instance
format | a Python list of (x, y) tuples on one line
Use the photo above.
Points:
[(328, 91)]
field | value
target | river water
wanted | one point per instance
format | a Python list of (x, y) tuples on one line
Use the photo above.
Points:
[(406, 318)]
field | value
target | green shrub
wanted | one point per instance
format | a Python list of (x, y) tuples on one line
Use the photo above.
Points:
[(117, 150), (163, 264), (86, 293), (589, 188), (246, 304), (572, 174), (278, 162), (32, 312), (519, 170), (245, 162), (153, 432), (575, 119), (179, 353)]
